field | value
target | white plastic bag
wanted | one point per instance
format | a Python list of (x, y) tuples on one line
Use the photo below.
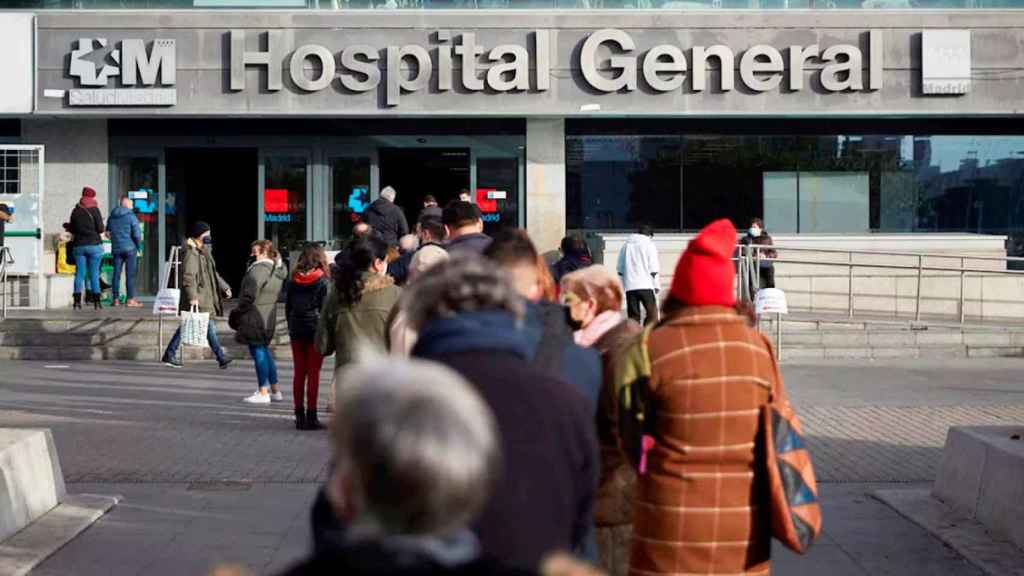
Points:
[(194, 325)]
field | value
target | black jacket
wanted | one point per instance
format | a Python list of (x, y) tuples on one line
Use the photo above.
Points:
[(569, 263), (544, 499), (86, 224), (401, 557), (303, 301), (387, 219), (556, 353)]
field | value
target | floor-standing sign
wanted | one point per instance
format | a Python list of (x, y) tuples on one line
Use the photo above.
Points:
[(772, 301)]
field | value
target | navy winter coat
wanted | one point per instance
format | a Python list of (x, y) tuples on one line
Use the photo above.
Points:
[(125, 234)]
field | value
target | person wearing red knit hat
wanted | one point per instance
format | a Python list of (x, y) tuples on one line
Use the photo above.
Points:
[(708, 374), (86, 226)]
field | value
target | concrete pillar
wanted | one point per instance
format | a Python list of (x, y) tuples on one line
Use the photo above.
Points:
[(545, 182), (77, 155)]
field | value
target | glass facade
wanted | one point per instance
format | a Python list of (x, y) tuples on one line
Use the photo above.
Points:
[(819, 183), (515, 4)]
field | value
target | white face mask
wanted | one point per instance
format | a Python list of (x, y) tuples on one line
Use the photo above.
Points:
[(754, 231)]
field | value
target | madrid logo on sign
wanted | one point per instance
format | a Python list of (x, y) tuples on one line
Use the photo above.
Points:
[(132, 74)]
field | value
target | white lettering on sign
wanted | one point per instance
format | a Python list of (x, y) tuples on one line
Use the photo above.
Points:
[(770, 301), (95, 66), (123, 97), (945, 62), (609, 63)]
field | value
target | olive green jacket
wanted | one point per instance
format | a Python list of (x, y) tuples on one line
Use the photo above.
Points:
[(199, 279), (261, 288), (343, 329)]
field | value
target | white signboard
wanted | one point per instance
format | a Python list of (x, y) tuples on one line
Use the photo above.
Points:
[(17, 66), (945, 62), (770, 301)]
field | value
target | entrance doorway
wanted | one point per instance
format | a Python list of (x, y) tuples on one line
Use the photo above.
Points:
[(417, 172), (220, 187)]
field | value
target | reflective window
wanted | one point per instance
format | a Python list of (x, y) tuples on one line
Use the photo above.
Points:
[(284, 201), (806, 184), (622, 182), (350, 180)]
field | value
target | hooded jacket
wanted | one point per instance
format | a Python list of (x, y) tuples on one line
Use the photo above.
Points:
[(306, 292), (125, 234), (200, 280), (387, 219), (343, 328), (638, 264), (544, 500)]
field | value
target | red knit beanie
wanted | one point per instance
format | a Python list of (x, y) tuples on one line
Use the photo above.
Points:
[(88, 192), (704, 274)]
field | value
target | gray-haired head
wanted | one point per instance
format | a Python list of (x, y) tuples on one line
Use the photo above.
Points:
[(388, 193), (465, 283), (418, 444), (408, 243)]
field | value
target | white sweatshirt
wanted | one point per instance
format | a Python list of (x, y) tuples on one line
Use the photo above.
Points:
[(638, 263)]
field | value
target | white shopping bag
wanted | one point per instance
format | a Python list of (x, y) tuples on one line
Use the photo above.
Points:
[(194, 325)]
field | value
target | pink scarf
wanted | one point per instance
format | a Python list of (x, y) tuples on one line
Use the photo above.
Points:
[(86, 202), (598, 327)]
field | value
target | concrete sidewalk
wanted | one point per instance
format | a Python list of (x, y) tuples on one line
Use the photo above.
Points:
[(206, 479), (181, 529)]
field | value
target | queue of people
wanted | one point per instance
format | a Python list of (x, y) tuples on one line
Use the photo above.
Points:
[(481, 422)]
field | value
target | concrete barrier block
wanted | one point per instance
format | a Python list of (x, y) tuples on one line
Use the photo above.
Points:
[(987, 338), (851, 339), (1001, 498), (31, 482), (982, 477), (959, 481), (994, 352)]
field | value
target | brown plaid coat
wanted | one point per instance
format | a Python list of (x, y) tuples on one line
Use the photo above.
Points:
[(702, 506)]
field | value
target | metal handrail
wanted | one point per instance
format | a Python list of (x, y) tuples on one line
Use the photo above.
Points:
[(749, 258), (6, 258)]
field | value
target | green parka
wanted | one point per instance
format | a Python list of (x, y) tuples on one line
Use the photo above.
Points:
[(199, 279), (342, 329), (260, 290)]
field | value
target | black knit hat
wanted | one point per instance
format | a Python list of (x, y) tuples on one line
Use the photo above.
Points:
[(198, 229)]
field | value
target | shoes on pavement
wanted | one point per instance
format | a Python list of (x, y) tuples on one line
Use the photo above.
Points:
[(172, 361), (300, 419), (223, 363), (257, 398), (276, 397), (312, 422), (133, 303)]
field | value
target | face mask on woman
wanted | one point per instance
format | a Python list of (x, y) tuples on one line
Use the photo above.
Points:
[(754, 231)]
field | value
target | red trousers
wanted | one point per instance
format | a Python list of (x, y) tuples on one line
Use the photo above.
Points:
[(306, 383)]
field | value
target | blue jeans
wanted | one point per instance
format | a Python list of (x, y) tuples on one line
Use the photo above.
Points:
[(211, 337), (266, 368), (87, 259), (128, 259)]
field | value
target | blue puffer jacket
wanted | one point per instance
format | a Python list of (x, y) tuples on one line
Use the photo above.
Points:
[(125, 234)]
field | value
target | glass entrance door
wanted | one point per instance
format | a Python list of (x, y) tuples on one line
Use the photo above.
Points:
[(350, 184), (140, 178), (284, 193)]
